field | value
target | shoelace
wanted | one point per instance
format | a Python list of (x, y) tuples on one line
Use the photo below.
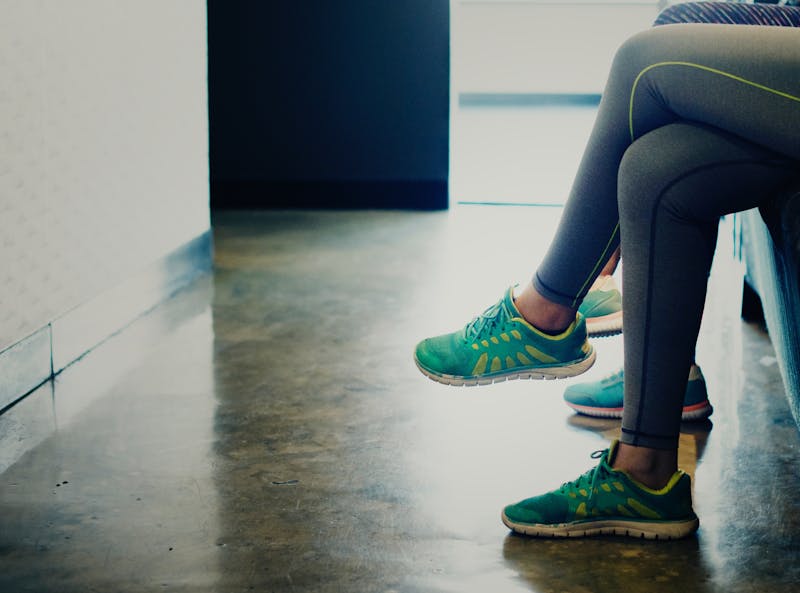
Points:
[(613, 377), (486, 321), (588, 479)]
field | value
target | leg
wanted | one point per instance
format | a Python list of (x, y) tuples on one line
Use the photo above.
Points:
[(738, 78), (602, 305), (674, 184), (668, 74), (611, 264), (675, 180)]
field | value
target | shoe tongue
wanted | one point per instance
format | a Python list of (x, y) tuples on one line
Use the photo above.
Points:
[(614, 377), (504, 308), (510, 305), (611, 453)]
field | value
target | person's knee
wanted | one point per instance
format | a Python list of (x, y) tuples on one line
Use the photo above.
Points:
[(692, 173), (644, 175), (633, 47), (640, 50)]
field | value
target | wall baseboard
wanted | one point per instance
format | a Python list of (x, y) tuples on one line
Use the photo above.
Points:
[(25, 365), (262, 194), (32, 361)]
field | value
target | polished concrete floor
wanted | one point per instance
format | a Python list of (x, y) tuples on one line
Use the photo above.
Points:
[(266, 430)]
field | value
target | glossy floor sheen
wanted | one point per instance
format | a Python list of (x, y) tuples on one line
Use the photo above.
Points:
[(266, 430)]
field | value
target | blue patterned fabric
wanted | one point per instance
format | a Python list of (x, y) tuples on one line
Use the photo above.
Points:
[(733, 13)]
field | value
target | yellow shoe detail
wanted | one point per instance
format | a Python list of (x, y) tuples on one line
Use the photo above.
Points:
[(496, 364), (580, 512), (510, 364), (536, 330), (623, 510), (539, 355), (524, 359), (505, 337), (586, 347), (670, 485), (475, 347), (485, 343), (643, 510), (605, 487), (494, 340), (618, 486), (480, 366), (583, 492), (516, 334), (573, 495)]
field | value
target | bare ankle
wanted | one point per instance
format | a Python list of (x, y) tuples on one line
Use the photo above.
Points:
[(542, 313), (651, 467)]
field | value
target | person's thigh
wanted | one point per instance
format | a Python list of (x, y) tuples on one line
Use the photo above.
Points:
[(740, 79)]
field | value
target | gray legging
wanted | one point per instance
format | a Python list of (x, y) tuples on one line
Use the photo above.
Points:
[(696, 121)]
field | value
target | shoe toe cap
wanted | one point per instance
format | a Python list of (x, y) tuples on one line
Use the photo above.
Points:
[(575, 395), (438, 354), (595, 394), (519, 514), (547, 509)]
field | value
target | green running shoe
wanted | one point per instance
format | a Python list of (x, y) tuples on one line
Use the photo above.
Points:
[(607, 501), (603, 398), (499, 345), (602, 308)]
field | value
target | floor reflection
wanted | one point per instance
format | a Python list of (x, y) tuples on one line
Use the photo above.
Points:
[(118, 495), (608, 564)]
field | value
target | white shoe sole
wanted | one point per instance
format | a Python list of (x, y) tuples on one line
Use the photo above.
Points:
[(664, 530), (544, 373), (693, 413), (605, 326)]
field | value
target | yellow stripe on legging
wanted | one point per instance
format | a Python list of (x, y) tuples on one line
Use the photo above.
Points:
[(600, 262), (699, 67)]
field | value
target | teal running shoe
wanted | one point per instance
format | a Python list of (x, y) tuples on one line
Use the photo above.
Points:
[(607, 501), (500, 345), (602, 308), (603, 398)]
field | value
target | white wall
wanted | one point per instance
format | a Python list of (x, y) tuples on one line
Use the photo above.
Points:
[(529, 47), (103, 147), (536, 46)]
